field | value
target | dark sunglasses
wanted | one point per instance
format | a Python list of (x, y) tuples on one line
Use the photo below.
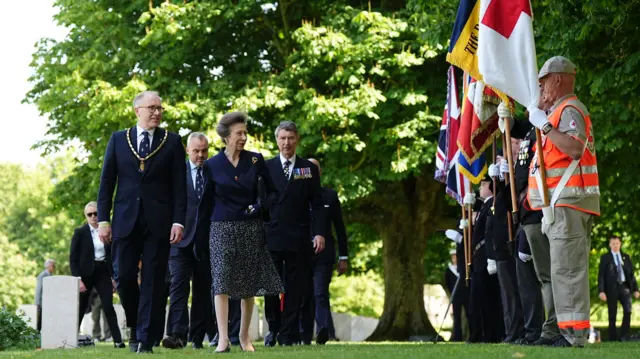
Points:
[(92, 214)]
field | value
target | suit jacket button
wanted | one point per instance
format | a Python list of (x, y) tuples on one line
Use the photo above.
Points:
[(137, 199)]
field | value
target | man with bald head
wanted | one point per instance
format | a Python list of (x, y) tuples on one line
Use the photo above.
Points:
[(573, 192), (317, 294), (147, 165)]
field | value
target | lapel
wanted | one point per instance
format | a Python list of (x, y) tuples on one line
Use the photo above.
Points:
[(277, 174), (158, 135), (231, 172), (87, 231)]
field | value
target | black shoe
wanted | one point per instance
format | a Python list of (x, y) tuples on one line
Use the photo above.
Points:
[(173, 342), (156, 343), (119, 345), (333, 338), (269, 339), (197, 345), (144, 348), (323, 336), (544, 342), (133, 346), (524, 341), (562, 343)]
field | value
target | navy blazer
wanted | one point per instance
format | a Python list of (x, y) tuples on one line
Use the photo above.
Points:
[(229, 190), (160, 189), (333, 213), (290, 224)]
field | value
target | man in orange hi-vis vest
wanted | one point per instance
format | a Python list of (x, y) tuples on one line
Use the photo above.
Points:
[(572, 182)]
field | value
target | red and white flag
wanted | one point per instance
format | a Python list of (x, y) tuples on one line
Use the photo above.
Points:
[(507, 50)]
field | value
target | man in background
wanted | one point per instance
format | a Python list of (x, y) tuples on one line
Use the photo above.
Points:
[(49, 269), (616, 283)]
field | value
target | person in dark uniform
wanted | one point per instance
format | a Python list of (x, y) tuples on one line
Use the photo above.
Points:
[(298, 182), (616, 283), (530, 222), (485, 312), (316, 299), (459, 298), (504, 252)]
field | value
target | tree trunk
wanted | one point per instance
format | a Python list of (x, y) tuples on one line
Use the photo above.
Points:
[(411, 209)]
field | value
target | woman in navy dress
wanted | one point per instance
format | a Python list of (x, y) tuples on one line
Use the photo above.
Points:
[(241, 266)]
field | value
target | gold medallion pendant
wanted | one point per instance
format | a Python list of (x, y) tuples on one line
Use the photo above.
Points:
[(135, 153)]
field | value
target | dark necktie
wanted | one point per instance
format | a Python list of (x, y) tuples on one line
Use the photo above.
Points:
[(285, 167), (143, 151), (618, 268), (199, 182)]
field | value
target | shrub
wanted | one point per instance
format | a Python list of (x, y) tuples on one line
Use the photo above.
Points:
[(15, 332)]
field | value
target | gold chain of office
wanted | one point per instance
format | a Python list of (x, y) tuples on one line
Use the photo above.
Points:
[(164, 139)]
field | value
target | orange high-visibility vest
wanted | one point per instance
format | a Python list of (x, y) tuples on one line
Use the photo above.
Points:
[(584, 180)]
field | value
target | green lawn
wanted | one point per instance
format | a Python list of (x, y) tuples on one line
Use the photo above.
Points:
[(362, 351)]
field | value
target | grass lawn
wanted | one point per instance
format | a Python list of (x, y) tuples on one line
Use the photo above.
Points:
[(359, 351)]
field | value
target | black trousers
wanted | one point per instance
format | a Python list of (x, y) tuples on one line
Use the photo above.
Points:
[(316, 303), (39, 319), (510, 299), (101, 281), (485, 313), (184, 267), (530, 298), (165, 319), (140, 303), (623, 295), (293, 268)]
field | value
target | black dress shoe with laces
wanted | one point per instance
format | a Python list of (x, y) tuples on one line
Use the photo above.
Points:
[(144, 348), (119, 345), (544, 342), (173, 342), (270, 339), (133, 346)]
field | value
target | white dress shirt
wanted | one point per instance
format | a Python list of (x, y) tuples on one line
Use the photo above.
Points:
[(98, 246), (617, 257), (293, 162), (141, 136)]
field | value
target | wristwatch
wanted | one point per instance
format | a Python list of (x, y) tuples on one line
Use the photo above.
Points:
[(546, 128)]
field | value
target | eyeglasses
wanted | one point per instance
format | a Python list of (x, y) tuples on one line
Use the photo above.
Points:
[(153, 108), (92, 214)]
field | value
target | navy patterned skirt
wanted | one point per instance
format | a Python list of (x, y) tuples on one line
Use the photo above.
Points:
[(241, 266)]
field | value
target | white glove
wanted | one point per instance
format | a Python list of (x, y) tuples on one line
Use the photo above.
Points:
[(504, 166), (453, 235), (494, 171), (524, 257), (469, 198), (464, 224), (537, 117), (491, 267), (503, 111)]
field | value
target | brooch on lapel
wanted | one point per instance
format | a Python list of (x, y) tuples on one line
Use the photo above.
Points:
[(254, 160), (299, 173)]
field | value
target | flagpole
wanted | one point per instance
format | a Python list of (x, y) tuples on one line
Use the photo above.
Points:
[(466, 246), (542, 168), (470, 236), (511, 186), (512, 176), (495, 186)]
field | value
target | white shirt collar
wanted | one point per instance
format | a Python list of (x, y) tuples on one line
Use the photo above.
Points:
[(140, 130), (193, 165), (283, 160), (616, 253), (487, 200)]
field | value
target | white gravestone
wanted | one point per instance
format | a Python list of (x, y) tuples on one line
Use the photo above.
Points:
[(30, 315), (60, 298)]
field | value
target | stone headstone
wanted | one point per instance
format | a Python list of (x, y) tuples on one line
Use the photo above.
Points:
[(254, 327), (60, 298), (362, 328), (342, 324), (29, 313)]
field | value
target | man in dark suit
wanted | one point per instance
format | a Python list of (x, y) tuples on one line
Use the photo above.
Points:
[(147, 163), (49, 269), (459, 299), (316, 299), (616, 282), (485, 312), (298, 183), (90, 259)]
